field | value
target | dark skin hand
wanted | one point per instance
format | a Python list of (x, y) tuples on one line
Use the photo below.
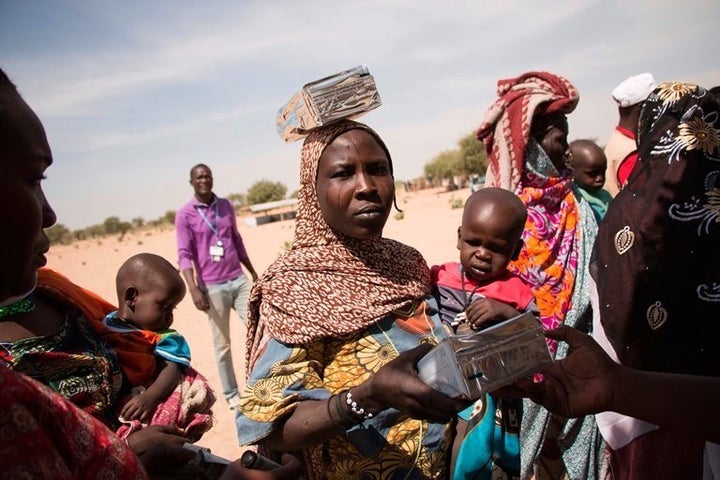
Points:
[(200, 300), (581, 386), (395, 385), (587, 381), (165, 462), (199, 297), (485, 312), (142, 407), (149, 437), (291, 470)]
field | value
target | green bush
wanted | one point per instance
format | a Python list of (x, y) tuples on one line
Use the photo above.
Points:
[(59, 234), (265, 191)]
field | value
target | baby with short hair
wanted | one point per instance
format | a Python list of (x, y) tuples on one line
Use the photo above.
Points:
[(148, 290), (154, 358), (471, 295), (589, 164)]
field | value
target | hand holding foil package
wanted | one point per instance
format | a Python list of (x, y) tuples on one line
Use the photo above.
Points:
[(471, 365), (347, 94)]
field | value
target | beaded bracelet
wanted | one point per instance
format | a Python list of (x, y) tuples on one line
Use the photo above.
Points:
[(346, 420), (355, 408)]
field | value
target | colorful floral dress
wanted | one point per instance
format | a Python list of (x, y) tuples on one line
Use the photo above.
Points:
[(75, 363), (387, 446)]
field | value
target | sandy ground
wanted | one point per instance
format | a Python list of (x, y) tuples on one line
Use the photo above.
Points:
[(429, 223)]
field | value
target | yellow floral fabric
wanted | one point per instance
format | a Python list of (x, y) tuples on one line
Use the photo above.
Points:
[(387, 446)]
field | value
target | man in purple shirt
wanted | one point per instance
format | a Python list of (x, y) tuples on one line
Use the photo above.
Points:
[(210, 252)]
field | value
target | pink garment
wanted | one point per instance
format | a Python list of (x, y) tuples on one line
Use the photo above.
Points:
[(188, 407), (198, 227)]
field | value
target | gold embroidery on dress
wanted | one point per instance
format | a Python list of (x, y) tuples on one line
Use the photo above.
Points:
[(624, 240), (656, 315)]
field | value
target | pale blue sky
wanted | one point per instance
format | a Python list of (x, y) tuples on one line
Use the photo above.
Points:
[(132, 94)]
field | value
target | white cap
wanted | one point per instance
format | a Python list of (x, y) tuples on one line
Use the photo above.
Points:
[(634, 89)]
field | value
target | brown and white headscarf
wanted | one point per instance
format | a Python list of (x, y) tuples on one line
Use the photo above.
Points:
[(329, 285)]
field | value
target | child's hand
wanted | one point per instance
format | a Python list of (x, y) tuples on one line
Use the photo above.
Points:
[(140, 407), (484, 312)]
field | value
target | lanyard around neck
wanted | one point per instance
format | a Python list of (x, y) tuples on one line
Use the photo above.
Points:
[(214, 228)]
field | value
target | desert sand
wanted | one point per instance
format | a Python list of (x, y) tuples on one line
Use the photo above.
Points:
[(429, 223)]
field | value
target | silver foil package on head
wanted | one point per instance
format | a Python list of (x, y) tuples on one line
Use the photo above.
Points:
[(345, 95)]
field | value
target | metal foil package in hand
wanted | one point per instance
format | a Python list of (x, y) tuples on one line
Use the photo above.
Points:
[(347, 94), (470, 365)]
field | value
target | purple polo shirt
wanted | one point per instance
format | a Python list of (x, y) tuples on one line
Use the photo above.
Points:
[(195, 236)]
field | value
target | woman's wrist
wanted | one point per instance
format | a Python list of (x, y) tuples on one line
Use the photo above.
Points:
[(363, 397), (355, 408), (338, 414), (620, 376), (345, 409), (131, 443)]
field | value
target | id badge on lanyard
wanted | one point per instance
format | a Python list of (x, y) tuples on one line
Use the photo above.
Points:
[(217, 251)]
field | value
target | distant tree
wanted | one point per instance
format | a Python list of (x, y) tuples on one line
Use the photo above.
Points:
[(473, 159), (168, 218), (138, 222), (265, 191), (112, 225), (238, 199), (96, 230), (443, 166), (59, 234)]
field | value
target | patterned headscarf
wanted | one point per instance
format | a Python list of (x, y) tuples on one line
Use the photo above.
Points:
[(657, 257), (329, 284), (506, 127)]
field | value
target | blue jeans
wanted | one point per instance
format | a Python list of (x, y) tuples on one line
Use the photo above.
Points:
[(222, 297)]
